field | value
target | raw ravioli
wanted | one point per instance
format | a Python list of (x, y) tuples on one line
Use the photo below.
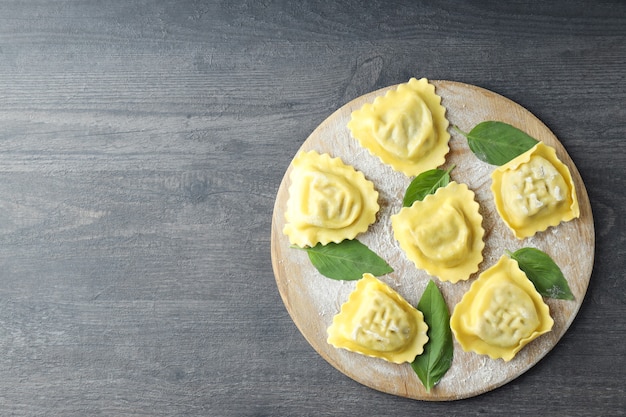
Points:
[(443, 233), (534, 191), (329, 201), (501, 312), (376, 321), (406, 128)]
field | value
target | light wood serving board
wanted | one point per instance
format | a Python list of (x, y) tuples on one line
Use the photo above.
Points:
[(312, 299)]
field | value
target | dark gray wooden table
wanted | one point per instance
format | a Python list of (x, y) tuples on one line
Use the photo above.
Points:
[(141, 147)]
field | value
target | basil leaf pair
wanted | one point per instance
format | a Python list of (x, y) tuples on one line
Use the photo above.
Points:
[(497, 143)]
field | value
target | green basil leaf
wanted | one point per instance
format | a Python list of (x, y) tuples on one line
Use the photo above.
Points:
[(497, 143), (544, 273), (436, 359), (425, 183), (347, 260)]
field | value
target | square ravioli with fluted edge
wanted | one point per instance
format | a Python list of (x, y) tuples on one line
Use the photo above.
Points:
[(406, 128), (378, 322), (443, 233), (329, 201)]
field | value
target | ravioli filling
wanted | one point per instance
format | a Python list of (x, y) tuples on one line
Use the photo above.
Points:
[(534, 191), (406, 128), (503, 315), (443, 233), (376, 321), (329, 201), (326, 200), (501, 312), (445, 239)]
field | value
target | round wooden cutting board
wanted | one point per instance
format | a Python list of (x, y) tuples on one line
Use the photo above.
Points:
[(312, 299)]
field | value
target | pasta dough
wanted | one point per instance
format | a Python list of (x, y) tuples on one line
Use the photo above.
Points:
[(376, 321), (501, 312), (406, 128), (328, 201), (443, 233), (534, 191)]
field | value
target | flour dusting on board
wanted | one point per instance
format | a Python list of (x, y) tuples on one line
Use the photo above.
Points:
[(313, 300)]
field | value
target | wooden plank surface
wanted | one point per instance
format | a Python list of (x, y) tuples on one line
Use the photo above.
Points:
[(142, 145), (313, 300)]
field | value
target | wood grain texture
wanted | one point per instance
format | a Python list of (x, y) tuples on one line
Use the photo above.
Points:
[(312, 300), (142, 145)]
